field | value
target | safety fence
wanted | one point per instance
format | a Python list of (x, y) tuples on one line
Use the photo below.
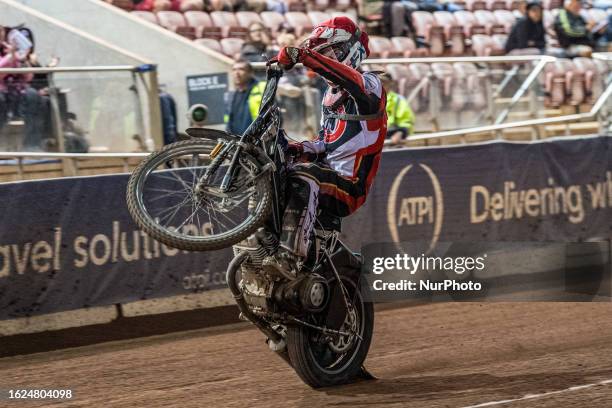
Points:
[(69, 243)]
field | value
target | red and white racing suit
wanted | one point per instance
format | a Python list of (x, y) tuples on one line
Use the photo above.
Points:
[(354, 126)]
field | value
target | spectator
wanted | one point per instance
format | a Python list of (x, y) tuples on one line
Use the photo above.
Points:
[(400, 118), (256, 47), (528, 31), (242, 105), (573, 32), (168, 114)]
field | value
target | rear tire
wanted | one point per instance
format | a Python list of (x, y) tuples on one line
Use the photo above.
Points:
[(305, 363)]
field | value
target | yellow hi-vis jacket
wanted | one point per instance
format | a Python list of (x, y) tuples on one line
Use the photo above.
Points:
[(399, 114)]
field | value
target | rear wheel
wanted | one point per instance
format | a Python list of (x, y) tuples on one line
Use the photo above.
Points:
[(168, 200), (321, 361)]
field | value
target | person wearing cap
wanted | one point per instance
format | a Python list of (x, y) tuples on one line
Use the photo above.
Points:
[(334, 173), (400, 118), (528, 32)]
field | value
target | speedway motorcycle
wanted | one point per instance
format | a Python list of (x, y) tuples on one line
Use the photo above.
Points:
[(216, 190)]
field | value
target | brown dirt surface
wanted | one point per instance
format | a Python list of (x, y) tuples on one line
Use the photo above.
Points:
[(435, 355)]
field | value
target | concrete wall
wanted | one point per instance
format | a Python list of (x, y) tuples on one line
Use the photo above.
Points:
[(176, 56), (93, 97)]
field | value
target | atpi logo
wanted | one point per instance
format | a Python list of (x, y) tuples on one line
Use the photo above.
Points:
[(411, 217)]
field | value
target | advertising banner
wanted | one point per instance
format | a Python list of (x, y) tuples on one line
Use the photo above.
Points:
[(70, 243)]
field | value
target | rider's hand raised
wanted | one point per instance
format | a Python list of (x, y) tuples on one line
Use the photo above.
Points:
[(289, 56)]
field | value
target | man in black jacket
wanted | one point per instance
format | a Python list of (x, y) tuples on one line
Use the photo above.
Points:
[(528, 32)]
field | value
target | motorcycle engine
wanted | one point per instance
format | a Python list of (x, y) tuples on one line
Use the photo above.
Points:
[(308, 292)]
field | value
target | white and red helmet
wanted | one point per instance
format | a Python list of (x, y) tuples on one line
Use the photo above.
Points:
[(339, 38)]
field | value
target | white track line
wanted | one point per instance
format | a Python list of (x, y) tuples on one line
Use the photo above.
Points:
[(544, 394)]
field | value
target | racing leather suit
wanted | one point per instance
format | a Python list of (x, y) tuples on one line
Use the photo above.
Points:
[(337, 170)]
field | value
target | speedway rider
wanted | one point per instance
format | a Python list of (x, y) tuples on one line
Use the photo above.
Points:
[(335, 172)]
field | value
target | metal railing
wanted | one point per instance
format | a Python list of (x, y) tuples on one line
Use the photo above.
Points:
[(143, 88), (597, 109)]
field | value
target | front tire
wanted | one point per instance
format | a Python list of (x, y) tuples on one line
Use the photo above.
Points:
[(155, 168)]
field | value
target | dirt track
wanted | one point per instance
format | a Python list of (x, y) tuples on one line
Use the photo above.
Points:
[(440, 355)]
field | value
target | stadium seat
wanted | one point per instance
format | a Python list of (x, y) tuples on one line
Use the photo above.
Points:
[(246, 18), (296, 5), (469, 23), (272, 20), (453, 32), (145, 15), (407, 46), (343, 5), (317, 17), (231, 46), (382, 47), (400, 74), (556, 81), (474, 5), (174, 21), (505, 18), (203, 25), (426, 28), (321, 5), (228, 24), (419, 72), (594, 76), (299, 21), (209, 43), (469, 85), (445, 84), (487, 19), (497, 5), (484, 46)]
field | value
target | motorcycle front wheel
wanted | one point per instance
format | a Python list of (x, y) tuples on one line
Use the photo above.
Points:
[(168, 200)]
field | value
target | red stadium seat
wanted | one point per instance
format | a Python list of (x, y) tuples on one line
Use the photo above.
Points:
[(299, 21), (469, 85), (469, 23), (145, 15), (174, 21), (381, 47), (229, 24), (272, 20), (487, 19), (433, 34), (407, 46), (505, 18), (209, 43), (317, 17), (296, 5), (474, 5), (344, 5), (419, 72), (552, 4), (497, 5), (453, 32), (445, 82), (321, 5), (484, 46), (231, 46), (560, 80), (203, 25), (246, 18)]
